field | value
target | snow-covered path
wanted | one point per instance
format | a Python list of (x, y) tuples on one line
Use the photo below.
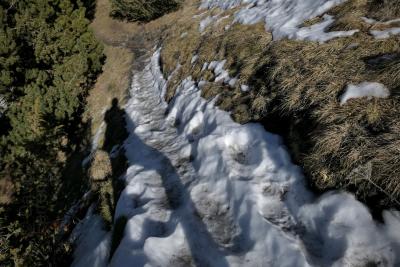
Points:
[(203, 190)]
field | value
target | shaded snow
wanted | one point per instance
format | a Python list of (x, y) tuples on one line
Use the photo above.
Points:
[(203, 190), (284, 17), (364, 89), (93, 242)]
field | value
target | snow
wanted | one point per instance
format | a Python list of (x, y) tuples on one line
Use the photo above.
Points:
[(194, 59), (317, 32), (244, 88), (204, 23), (383, 34), (95, 142), (93, 242), (203, 190), (221, 74), (285, 17), (364, 89)]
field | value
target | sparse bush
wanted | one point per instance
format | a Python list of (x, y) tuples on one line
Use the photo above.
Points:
[(142, 10)]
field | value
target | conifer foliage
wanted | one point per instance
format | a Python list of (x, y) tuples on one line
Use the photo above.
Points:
[(48, 61)]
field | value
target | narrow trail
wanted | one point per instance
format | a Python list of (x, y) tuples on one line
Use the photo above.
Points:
[(202, 190), (156, 148)]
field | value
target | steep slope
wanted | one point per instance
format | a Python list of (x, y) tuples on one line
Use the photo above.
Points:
[(203, 190)]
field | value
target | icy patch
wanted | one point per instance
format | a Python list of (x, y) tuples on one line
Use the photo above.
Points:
[(284, 18), (364, 89)]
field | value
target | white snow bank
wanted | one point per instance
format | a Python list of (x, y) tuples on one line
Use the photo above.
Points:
[(364, 89), (212, 192), (284, 17)]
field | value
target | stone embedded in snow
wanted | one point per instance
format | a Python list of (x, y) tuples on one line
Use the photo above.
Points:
[(364, 89), (284, 17)]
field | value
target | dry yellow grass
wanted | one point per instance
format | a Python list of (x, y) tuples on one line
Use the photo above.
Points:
[(297, 84), (100, 168)]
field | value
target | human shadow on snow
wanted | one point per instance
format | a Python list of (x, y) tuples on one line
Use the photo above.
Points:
[(203, 248)]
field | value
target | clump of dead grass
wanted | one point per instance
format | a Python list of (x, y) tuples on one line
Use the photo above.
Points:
[(100, 169), (341, 139)]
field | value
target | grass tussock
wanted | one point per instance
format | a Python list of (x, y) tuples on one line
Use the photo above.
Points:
[(354, 146), (100, 168)]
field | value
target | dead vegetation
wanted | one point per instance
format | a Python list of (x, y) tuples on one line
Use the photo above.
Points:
[(296, 89)]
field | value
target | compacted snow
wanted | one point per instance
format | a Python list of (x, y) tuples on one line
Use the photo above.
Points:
[(285, 17), (202, 190)]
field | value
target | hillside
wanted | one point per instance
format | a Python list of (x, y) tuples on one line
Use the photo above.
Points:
[(217, 133)]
